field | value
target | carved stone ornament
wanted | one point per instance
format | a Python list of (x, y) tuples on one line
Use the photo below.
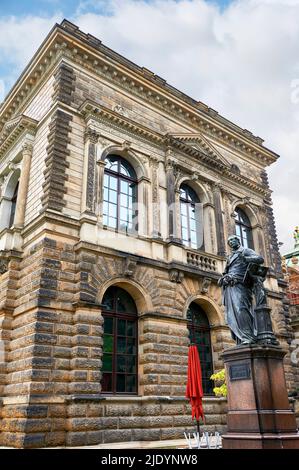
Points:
[(91, 135), (3, 266), (206, 282), (130, 265), (176, 276)]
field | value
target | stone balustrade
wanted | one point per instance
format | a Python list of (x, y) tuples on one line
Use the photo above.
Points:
[(204, 261)]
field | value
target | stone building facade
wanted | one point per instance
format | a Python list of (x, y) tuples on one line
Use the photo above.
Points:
[(79, 119)]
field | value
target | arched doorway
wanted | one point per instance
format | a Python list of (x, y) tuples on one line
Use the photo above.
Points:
[(119, 370), (199, 334)]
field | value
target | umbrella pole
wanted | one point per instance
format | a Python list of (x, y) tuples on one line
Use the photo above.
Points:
[(198, 428)]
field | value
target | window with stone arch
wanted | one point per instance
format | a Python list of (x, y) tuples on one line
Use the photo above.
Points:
[(200, 335), (190, 217), (120, 195), (243, 228), (119, 370)]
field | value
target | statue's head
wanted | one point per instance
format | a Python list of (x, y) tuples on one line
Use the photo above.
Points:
[(234, 242)]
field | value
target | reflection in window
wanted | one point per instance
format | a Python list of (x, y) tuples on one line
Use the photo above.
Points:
[(120, 194), (119, 371), (13, 206), (199, 334), (189, 216), (243, 228)]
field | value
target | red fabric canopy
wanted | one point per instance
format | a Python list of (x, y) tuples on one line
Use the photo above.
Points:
[(194, 390)]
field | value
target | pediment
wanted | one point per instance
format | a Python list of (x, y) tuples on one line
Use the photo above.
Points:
[(13, 128), (199, 142)]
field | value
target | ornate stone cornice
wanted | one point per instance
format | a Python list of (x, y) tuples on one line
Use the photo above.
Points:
[(68, 42), (13, 129), (94, 111), (202, 144), (99, 113)]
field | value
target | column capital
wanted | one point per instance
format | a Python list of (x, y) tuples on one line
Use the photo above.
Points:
[(92, 135), (27, 148)]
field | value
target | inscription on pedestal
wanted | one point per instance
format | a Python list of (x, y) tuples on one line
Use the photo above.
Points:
[(239, 371)]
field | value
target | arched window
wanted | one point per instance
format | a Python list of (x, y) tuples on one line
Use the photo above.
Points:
[(199, 334), (119, 372), (13, 206), (189, 216), (120, 195), (243, 228)]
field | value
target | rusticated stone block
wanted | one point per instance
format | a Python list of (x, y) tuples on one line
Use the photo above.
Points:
[(11, 439), (172, 409), (176, 433), (83, 387), (96, 410), (55, 438), (146, 434), (91, 423), (145, 410), (86, 363), (75, 410), (150, 379), (117, 435), (182, 420), (155, 369), (118, 410), (76, 439), (156, 348), (94, 437), (170, 379)]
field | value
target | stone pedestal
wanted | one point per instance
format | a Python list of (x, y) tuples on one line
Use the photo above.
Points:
[(259, 415)]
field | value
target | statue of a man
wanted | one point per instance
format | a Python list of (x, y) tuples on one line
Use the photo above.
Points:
[(238, 294)]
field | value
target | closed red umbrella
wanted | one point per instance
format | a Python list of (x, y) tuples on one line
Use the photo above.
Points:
[(194, 390)]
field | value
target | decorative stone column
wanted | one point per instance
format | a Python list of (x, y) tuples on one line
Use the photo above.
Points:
[(23, 185), (171, 201), (219, 220), (90, 174), (155, 199)]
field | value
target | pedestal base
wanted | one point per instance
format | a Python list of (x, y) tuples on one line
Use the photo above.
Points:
[(259, 416)]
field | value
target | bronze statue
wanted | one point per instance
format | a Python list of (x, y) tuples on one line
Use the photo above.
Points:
[(241, 281)]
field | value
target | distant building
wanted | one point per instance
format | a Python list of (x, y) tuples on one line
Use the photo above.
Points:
[(290, 267), (118, 193)]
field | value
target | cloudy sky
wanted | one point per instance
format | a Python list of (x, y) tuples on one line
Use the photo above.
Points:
[(241, 57)]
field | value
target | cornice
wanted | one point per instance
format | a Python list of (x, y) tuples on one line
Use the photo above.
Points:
[(13, 129), (91, 110), (67, 41)]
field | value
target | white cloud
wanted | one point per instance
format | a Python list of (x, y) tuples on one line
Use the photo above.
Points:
[(242, 61)]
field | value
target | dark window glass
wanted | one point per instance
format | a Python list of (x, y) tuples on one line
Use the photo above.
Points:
[(189, 219), (199, 334), (120, 195), (120, 342), (13, 206), (243, 228)]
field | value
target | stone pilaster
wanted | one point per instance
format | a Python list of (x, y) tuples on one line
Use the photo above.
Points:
[(90, 172), (23, 185), (156, 199), (219, 220)]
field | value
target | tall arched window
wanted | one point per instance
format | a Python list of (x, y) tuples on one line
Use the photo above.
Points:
[(119, 372), (120, 195), (189, 216), (199, 334), (13, 206), (243, 228)]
